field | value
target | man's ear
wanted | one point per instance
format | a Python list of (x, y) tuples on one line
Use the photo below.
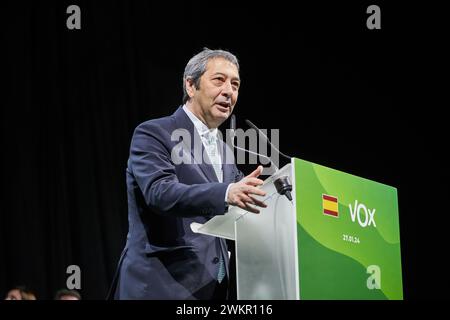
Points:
[(190, 87)]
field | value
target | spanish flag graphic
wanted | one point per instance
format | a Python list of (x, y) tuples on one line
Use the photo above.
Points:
[(330, 205)]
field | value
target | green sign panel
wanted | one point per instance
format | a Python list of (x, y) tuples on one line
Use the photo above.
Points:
[(348, 235)]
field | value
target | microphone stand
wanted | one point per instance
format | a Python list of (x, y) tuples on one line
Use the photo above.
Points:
[(282, 184)]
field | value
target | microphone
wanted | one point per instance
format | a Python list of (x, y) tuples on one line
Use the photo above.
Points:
[(251, 125), (233, 134), (233, 126), (282, 184)]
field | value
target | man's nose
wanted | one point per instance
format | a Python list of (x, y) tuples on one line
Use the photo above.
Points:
[(227, 89)]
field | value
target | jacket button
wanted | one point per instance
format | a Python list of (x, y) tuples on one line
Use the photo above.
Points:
[(215, 260)]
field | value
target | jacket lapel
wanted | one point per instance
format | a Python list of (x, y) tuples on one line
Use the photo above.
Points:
[(227, 162), (184, 122)]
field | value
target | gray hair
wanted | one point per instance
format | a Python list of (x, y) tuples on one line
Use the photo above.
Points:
[(196, 67)]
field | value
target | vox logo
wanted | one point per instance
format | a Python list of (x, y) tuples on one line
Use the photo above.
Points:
[(364, 215)]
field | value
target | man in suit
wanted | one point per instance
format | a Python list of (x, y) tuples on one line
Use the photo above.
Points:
[(170, 187)]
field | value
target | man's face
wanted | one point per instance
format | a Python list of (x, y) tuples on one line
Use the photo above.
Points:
[(217, 94), (13, 295), (68, 297)]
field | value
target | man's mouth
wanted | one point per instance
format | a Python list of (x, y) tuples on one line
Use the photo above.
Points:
[(224, 105)]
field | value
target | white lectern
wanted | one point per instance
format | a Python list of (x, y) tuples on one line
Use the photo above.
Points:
[(266, 246)]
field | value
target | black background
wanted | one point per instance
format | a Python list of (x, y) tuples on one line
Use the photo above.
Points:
[(357, 100)]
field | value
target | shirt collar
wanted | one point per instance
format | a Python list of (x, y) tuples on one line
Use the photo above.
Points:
[(202, 129)]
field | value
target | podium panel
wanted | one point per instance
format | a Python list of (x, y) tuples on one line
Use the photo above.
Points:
[(348, 235), (337, 239)]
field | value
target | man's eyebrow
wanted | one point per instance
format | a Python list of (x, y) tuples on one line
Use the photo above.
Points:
[(223, 74)]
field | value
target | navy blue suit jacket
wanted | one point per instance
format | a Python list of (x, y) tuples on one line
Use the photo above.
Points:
[(163, 258)]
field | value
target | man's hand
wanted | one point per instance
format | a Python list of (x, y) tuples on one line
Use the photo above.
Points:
[(240, 193)]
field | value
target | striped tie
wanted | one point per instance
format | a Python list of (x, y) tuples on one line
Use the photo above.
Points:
[(222, 271), (213, 154)]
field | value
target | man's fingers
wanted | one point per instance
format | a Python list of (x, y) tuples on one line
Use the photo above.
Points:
[(254, 190), (240, 194), (245, 198), (240, 204), (254, 181), (248, 199), (257, 202), (250, 208), (256, 173), (246, 206)]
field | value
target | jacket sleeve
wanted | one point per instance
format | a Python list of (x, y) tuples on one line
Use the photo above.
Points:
[(155, 173), (239, 175)]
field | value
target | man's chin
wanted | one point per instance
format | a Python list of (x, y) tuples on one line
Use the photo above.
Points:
[(220, 117), (222, 112)]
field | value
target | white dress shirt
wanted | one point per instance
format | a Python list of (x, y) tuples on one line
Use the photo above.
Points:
[(210, 141)]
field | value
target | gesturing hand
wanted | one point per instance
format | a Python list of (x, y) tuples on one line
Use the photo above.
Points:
[(240, 193)]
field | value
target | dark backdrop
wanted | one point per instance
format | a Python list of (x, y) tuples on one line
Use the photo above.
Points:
[(72, 99)]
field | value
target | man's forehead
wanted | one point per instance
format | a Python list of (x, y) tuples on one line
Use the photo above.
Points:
[(221, 65), (14, 292)]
